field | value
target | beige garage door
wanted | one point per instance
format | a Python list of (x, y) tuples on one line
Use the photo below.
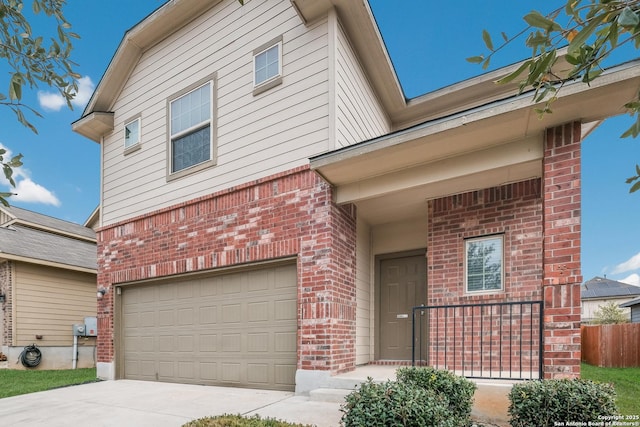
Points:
[(236, 329)]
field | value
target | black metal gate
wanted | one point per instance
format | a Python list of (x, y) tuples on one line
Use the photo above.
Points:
[(489, 340)]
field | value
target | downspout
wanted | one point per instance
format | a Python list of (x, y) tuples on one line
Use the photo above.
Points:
[(75, 351)]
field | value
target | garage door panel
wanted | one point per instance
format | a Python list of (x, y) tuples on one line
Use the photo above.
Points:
[(208, 343), (285, 309), (232, 313), (208, 314), (238, 329)]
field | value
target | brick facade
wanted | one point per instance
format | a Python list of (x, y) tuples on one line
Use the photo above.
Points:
[(562, 270), (472, 335), (6, 288), (290, 214), (540, 221)]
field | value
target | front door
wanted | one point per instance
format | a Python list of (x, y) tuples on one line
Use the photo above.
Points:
[(403, 285)]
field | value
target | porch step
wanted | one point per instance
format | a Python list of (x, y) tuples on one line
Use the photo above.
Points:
[(334, 395)]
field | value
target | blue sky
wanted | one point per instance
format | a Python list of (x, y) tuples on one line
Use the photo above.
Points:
[(428, 47)]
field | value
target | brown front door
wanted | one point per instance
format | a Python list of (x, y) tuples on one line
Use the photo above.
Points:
[(403, 285)]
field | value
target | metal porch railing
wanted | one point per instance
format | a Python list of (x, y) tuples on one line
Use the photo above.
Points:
[(489, 340)]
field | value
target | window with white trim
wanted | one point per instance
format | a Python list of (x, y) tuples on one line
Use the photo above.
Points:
[(484, 264), (267, 64), (132, 133), (190, 124)]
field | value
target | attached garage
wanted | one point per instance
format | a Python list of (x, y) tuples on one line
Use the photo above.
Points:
[(233, 329)]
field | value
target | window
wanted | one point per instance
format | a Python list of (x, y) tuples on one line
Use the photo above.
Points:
[(190, 126), (484, 263), (267, 65), (132, 133)]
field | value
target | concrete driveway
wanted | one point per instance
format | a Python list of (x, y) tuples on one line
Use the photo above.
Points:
[(141, 403)]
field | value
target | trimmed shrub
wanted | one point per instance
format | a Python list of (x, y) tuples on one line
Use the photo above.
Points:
[(394, 403), (240, 421), (543, 403), (458, 390)]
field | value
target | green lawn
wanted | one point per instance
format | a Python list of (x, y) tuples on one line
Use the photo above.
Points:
[(626, 381), (14, 382)]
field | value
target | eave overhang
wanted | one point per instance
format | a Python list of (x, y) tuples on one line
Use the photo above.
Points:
[(164, 21), (494, 143)]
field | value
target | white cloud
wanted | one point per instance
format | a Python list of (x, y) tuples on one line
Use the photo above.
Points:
[(26, 190), (53, 101), (631, 264), (632, 279)]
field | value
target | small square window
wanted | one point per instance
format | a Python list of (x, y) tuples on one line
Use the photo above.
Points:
[(267, 65), (132, 133), (484, 260)]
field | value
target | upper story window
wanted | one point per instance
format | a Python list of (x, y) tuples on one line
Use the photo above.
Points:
[(190, 127), (484, 264), (132, 133), (267, 65)]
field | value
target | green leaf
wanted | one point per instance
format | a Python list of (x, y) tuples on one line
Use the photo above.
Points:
[(510, 77), (635, 187), (15, 87), (638, 169), (487, 39), (580, 39), (3, 196), (475, 59), (633, 130), (628, 18), (536, 19)]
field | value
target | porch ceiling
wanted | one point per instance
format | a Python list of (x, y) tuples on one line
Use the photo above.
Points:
[(390, 178)]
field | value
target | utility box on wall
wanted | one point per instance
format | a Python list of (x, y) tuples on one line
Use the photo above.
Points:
[(91, 326), (79, 330)]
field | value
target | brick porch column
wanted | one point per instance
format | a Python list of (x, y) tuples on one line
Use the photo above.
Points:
[(562, 270)]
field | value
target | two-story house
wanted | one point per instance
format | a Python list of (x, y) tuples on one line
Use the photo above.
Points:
[(273, 207)]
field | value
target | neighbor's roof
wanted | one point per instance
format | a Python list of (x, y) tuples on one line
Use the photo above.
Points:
[(27, 244), (631, 303), (600, 287), (44, 222)]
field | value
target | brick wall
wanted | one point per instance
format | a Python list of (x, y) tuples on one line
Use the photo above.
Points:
[(562, 271), (288, 214), (6, 281), (515, 212)]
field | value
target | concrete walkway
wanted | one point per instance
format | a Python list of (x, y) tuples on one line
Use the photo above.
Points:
[(140, 403)]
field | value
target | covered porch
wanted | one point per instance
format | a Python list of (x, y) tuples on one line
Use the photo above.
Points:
[(494, 169)]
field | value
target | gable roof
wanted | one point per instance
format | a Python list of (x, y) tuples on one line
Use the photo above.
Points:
[(360, 25), (631, 303), (40, 239), (26, 244), (600, 287), (39, 221)]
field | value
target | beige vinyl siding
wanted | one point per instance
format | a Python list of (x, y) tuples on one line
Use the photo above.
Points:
[(256, 135), (359, 115), (49, 301), (363, 293)]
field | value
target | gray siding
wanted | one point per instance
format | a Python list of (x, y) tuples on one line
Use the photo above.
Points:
[(635, 314), (364, 300), (359, 115), (256, 135)]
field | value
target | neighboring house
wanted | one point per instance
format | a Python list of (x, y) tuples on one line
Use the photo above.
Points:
[(47, 284), (634, 306), (601, 291), (272, 207)]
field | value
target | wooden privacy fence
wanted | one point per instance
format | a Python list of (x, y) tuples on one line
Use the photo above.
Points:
[(611, 346)]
